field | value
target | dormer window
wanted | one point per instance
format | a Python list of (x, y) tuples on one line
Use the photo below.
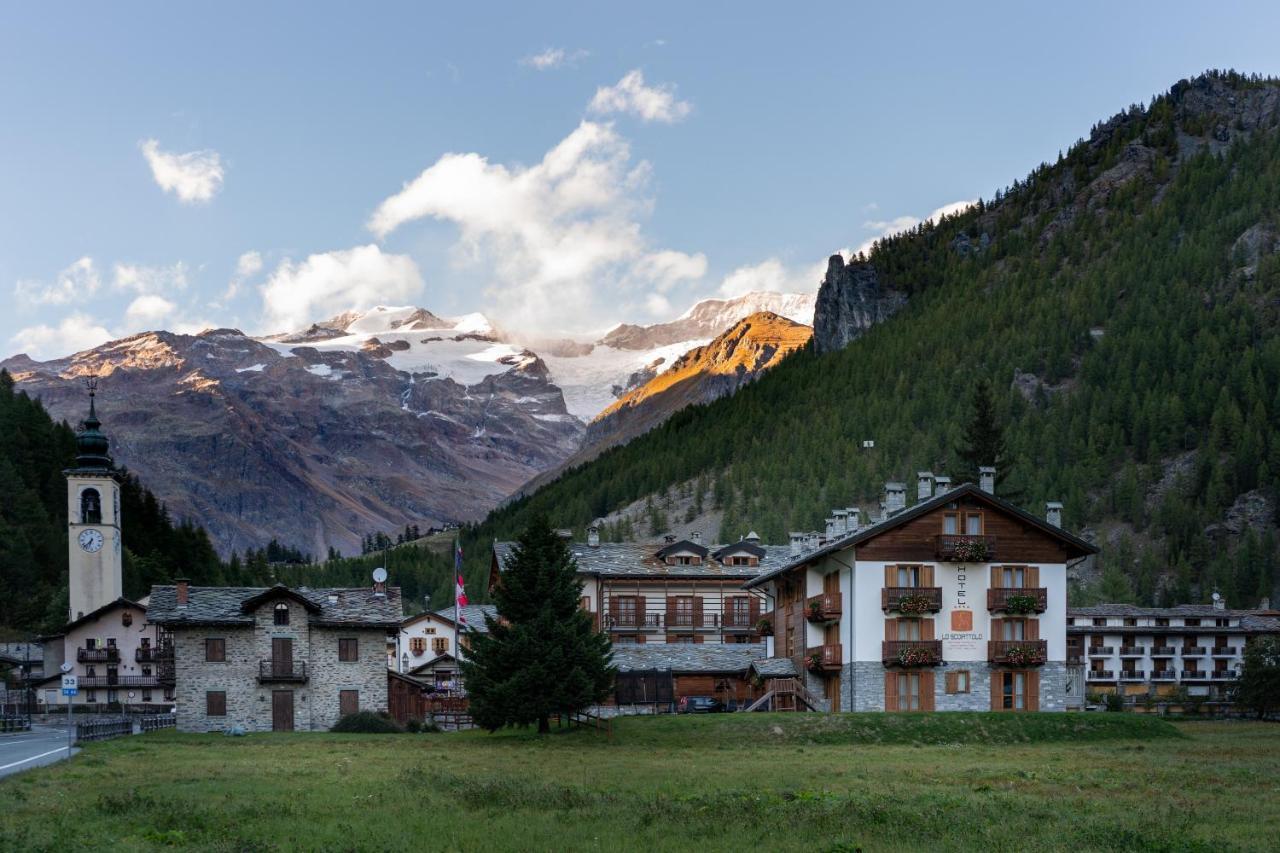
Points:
[(282, 614), (90, 507)]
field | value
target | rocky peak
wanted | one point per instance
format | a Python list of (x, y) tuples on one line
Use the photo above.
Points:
[(851, 300)]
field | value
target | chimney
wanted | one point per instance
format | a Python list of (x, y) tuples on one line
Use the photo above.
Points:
[(941, 484), (924, 489), (811, 541), (883, 513), (696, 537), (855, 519), (842, 521), (668, 538), (1219, 603), (987, 479), (1053, 513), (895, 497), (182, 586), (753, 537), (380, 588), (593, 536), (797, 544), (831, 529)]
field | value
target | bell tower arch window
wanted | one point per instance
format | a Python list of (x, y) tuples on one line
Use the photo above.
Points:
[(90, 507)]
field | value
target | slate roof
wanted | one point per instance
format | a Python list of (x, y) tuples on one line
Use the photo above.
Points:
[(222, 605), (473, 615), (1249, 620), (775, 667), (18, 653), (687, 657), (638, 559), (937, 501)]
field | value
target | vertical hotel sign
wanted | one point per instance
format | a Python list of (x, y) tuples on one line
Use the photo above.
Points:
[(960, 640)]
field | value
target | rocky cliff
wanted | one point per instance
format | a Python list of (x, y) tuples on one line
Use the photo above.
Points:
[(851, 300)]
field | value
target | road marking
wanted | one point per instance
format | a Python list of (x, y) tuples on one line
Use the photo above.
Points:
[(32, 758)]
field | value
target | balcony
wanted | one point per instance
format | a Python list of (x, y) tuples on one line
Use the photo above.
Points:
[(828, 658), (959, 548), (1225, 652), (911, 599), (294, 671), (151, 654), (108, 655), (739, 622), (1018, 600), (824, 607), (1101, 675), (638, 621), (85, 682), (1101, 651), (1162, 651), (1222, 675), (1132, 651), (1193, 675), (1132, 675), (1017, 652), (911, 652), (1194, 651), (1164, 675)]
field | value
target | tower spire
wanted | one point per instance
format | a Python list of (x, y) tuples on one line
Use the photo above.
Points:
[(92, 447)]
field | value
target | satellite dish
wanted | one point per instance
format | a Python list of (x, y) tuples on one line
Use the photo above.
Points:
[(67, 667), (379, 575), (1215, 596)]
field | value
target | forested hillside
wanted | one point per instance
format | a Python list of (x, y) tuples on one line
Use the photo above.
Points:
[(1123, 304)]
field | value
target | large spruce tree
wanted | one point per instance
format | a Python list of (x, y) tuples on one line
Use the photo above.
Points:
[(984, 442), (543, 656)]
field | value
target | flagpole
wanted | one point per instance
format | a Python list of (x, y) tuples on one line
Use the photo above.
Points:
[(457, 629)]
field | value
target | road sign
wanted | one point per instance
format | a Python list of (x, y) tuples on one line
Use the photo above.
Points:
[(70, 685)]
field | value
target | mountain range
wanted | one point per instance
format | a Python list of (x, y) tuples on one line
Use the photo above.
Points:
[(366, 421)]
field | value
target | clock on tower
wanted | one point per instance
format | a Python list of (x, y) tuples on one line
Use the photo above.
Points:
[(93, 519)]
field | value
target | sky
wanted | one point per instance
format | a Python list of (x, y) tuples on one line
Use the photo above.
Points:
[(560, 167)]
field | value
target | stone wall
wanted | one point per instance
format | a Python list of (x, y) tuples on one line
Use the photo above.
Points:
[(194, 677), (862, 686), (329, 675)]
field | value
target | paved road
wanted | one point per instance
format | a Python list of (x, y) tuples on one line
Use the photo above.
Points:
[(24, 750)]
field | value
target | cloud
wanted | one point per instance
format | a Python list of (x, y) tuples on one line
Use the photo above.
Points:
[(144, 279), (75, 333), (195, 177), (77, 282), (553, 57), (247, 266), (552, 238), (648, 103), (148, 311), (772, 274), (889, 227), (332, 282)]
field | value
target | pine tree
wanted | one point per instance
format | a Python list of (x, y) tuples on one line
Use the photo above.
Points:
[(984, 442), (542, 656)]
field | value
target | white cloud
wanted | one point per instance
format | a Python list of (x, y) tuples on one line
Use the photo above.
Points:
[(332, 282), (772, 274), (553, 57), (144, 279), (888, 227), (75, 333), (77, 282), (648, 103), (148, 311), (248, 265), (560, 241), (194, 177)]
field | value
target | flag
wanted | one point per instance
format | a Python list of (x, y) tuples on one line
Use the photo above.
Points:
[(459, 591)]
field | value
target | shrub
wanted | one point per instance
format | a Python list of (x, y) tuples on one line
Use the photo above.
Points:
[(413, 726), (1115, 702), (368, 722)]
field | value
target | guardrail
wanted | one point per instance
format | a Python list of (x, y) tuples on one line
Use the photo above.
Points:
[(15, 724), (108, 729)]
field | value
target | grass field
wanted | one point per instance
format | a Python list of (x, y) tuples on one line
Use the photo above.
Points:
[(761, 781)]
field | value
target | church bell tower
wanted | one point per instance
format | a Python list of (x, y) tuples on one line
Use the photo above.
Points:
[(93, 520)]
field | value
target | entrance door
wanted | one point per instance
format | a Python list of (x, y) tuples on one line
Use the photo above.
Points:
[(282, 710), (281, 656)]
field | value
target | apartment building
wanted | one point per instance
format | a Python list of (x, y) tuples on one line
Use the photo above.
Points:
[(680, 591), (955, 603), (276, 658), (1158, 650)]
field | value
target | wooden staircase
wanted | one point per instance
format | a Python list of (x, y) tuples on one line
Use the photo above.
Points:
[(785, 694)]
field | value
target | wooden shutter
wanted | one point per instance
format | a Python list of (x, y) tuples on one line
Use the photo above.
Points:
[(995, 690), (997, 629), (890, 575), (615, 607), (754, 610), (926, 629), (891, 629), (891, 691), (996, 580), (215, 703), (926, 576), (671, 610), (640, 639), (951, 683), (1033, 690), (1032, 630), (348, 702), (697, 611), (831, 582), (1031, 576), (927, 684)]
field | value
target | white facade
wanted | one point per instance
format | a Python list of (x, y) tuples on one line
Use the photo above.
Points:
[(93, 542), (114, 662)]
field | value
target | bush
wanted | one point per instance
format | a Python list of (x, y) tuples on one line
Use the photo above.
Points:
[(1115, 702), (369, 723), (413, 726)]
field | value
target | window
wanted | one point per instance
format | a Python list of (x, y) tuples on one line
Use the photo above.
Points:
[(740, 610), (215, 703), (146, 672), (146, 695), (90, 507), (111, 642), (348, 649), (90, 671), (951, 523), (440, 645), (909, 576), (169, 694), (973, 523), (146, 642), (585, 602), (1162, 623), (1014, 629), (113, 696), (958, 682), (1222, 623), (1099, 623), (684, 610), (1130, 622), (1013, 691), (626, 610), (215, 649), (1192, 623), (428, 630), (418, 645), (282, 614), (91, 643), (348, 702), (908, 691), (1013, 577), (90, 696), (909, 629)]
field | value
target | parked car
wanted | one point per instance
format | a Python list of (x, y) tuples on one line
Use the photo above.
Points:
[(699, 705)]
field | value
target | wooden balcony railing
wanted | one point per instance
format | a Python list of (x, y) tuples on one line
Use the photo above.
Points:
[(911, 652), (824, 607), (110, 654), (1017, 652), (911, 599), (828, 658), (1018, 600), (282, 670), (962, 548), (87, 681)]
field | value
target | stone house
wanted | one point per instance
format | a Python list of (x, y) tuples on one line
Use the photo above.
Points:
[(276, 658)]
